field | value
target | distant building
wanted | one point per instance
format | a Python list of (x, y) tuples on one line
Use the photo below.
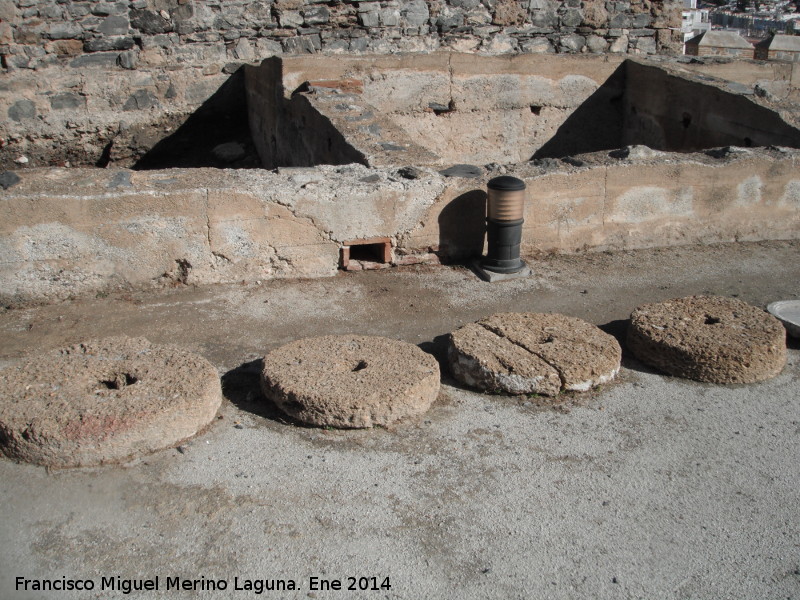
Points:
[(779, 47), (694, 20), (719, 43)]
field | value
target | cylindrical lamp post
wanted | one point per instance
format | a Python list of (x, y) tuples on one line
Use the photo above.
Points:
[(504, 225)]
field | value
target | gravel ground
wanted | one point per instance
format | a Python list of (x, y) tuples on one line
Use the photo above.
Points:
[(649, 487)]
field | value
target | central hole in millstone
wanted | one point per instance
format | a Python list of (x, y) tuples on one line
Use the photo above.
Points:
[(120, 381), (362, 364), (712, 320)]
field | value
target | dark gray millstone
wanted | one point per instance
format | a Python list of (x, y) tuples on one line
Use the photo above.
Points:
[(9, 179), (463, 171), (389, 147)]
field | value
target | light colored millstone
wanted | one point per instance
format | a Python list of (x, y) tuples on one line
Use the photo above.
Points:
[(708, 338), (350, 381), (524, 353), (103, 401)]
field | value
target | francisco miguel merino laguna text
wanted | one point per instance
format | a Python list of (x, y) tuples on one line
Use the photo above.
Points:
[(203, 584), (126, 586)]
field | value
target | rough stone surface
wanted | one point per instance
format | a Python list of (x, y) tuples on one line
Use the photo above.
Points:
[(525, 353), (104, 401), (350, 381), (708, 338)]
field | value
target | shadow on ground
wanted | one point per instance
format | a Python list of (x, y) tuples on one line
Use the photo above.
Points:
[(242, 387), (619, 329)]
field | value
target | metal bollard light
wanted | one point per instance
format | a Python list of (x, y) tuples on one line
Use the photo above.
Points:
[(504, 225)]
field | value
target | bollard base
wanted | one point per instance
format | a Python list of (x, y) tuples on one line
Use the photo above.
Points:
[(491, 276)]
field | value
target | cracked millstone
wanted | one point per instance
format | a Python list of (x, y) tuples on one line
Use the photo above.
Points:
[(525, 353), (708, 338), (350, 381), (103, 401)]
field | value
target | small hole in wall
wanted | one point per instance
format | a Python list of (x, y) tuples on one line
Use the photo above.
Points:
[(712, 320), (633, 110), (686, 120), (442, 109), (537, 110), (366, 254), (362, 364), (748, 143)]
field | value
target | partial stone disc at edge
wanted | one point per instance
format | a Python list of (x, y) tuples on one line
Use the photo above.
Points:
[(708, 338), (523, 353), (350, 381), (104, 401)]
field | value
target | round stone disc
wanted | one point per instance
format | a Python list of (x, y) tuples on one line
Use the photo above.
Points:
[(104, 401), (350, 381), (525, 353), (708, 338)]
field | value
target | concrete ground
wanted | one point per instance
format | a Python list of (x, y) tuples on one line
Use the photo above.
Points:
[(651, 487)]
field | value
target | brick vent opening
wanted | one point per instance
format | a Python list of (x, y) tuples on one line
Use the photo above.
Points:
[(371, 253)]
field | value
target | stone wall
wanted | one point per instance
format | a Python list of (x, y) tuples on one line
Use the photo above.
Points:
[(38, 33), (104, 81)]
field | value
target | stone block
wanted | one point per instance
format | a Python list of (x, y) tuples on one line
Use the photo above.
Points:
[(22, 110), (369, 19), (67, 100), (128, 60), (596, 44), (316, 15), (539, 45), (6, 34), (140, 100), (572, 17), (104, 44), (571, 43), (64, 31), (99, 59), (415, 13), (149, 22), (595, 14), (303, 44), (114, 25), (290, 18), (390, 17)]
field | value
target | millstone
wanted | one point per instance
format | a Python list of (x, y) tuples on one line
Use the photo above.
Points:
[(104, 401), (350, 381), (524, 353), (708, 338)]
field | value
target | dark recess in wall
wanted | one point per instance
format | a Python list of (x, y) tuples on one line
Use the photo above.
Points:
[(222, 119), (595, 125)]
